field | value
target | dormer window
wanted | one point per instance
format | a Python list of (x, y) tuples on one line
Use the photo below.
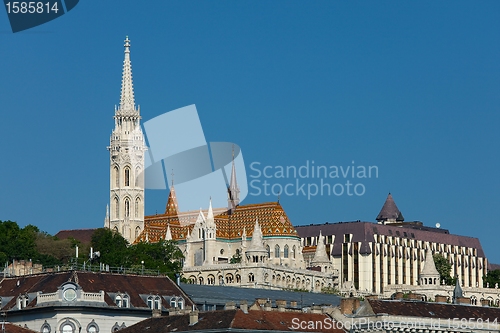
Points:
[(154, 302), (122, 300), (177, 302), (22, 301)]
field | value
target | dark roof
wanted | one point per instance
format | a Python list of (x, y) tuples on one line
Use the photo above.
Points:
[(220, 295), (133, 285), (492, 267), (364, 232), (433, 310), (82, 235), (390, 211), (11, 328), (230, 320)]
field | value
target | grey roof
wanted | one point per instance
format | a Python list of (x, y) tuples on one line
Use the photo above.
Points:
[(364, 232), (220, 295)]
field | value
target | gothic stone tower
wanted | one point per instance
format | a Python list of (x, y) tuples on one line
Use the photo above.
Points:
[(127, 149)]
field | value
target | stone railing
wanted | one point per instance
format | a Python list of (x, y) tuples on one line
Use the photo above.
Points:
[(44, 298), (93, 297)]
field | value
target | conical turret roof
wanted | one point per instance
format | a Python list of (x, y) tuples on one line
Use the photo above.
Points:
[(429, 266), (320, 256), (390, 211)]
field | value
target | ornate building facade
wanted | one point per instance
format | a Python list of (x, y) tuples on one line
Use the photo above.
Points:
[(126, 149), (250, 245), (373, 256)]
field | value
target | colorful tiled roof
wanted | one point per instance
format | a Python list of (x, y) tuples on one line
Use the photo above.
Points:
[(272, 218)]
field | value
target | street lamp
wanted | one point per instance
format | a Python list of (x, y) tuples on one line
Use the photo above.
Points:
[(142, 263)]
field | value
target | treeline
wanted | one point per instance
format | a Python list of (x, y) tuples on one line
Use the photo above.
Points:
[(29, 243)]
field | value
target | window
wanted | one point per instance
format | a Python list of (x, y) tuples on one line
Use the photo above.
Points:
[(127, 207), (92, 327), (293, 252), (127, 177), (137, 204), (137, 231), (45, 328), (251, 277), (177, 302), (67, 327), (118, 301), (268, 249), (154, 302), (116, 175), (117, 208), (285, 251), (277, 251)]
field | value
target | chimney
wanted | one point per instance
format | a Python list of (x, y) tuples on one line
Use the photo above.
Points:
[(193, 317), (485, 302), (440, 299), (398, 295), (244, 306), (268, 306), (230, 306), (349, 305), (463, 300), (293, 304), (281, 305), (414, 297), (156, 313), (261, 301)]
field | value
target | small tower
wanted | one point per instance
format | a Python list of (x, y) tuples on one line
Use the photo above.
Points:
[(126, 151), (210, 231), (457, 292), (429, 274), (320, 257), (390, 212), (233, 191), (256, 252)]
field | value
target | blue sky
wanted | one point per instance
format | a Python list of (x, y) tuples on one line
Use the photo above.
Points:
[(409, 87)]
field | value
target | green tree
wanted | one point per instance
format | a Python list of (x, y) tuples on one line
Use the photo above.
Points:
[(163, 256), (491, 278), (236, 258), (112, 247), (17, 243), (443, 266)]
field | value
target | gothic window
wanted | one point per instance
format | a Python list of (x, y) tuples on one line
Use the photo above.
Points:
[(285, 251), (67, 327), (251, 277), (117, 208), (293, 252), (137, 231), (116, 175), (137, 204), (277, 251), (92, 327), (157, 302), (127, 177), (150, 302), (238, 278), (268, 249), (45, 328), (115, 229), (127, 207)]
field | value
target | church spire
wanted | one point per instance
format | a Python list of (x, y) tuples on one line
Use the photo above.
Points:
[(172, 207), (127, 102), (390, 212), (233, 190)]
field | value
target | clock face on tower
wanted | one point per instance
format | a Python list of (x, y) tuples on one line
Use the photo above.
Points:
[(69, 295)]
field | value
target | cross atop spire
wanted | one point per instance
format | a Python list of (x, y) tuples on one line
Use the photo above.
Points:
[(127, 102)]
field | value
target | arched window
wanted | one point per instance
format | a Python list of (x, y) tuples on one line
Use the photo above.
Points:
[(92, 327), (125, 301), (177, 302), (277, 251), (45, 328), (118, 301), (285, 251), (154, 302), (251, 277), (127, 207), (115, 229), (117, 208), (137, 231), (268, 249), (67, 327), (137, 205), (127, 177), (293, 252), (116, 176)]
